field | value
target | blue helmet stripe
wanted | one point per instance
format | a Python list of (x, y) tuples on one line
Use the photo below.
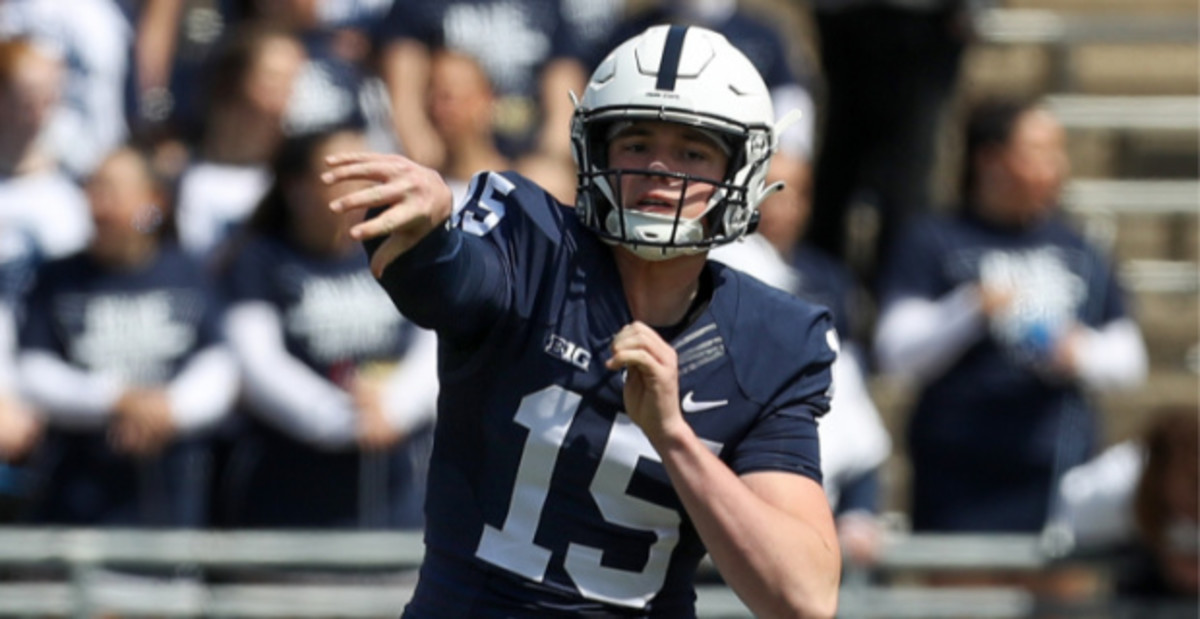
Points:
[(668, 69)]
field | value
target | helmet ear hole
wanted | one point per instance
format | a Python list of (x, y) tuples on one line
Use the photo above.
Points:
[(752, 226)]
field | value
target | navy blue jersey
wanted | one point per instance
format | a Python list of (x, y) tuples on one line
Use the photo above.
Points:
[(140, 325), (544, 495), (335, 319), (1001, 420)]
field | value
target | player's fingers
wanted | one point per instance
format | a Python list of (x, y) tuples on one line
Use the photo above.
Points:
[(636, 358), (370, 170), (358, 162), (626, 340), (370, 197), (352, 157), (639, 334), (397, 218)]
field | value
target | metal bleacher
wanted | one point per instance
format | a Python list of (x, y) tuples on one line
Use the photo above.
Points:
[(85, 573), (367, 575), (1101, 204)]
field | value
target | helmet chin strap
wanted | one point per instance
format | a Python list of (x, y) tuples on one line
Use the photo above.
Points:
[(642, 228)]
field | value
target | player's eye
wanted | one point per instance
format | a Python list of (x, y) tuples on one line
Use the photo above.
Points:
[(632, 146)]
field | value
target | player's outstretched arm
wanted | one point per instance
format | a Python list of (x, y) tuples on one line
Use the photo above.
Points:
[(415, 200), (771, 534)]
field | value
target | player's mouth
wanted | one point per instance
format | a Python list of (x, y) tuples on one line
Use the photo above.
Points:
[(657, 203)]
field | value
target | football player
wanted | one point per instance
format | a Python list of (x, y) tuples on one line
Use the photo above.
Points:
[(613, 404)]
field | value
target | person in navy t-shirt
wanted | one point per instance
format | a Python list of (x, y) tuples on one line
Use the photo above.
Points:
[(339, 388), (1004, 318), (529, 49), (121, 356), (613, 404)]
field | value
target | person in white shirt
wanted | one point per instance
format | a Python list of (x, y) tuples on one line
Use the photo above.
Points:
[(36, 198)]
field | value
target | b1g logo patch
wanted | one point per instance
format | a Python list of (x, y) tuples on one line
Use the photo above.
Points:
[(563, 350)]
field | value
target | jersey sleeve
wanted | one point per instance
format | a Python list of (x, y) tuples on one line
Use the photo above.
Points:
[(791, 373), (489, 262)]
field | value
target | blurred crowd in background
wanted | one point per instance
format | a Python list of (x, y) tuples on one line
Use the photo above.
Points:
[(189, 338)]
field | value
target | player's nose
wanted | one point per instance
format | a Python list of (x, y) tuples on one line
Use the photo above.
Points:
[(658, 165)]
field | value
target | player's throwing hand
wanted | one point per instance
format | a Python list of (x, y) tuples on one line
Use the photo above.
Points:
[(415, 197)]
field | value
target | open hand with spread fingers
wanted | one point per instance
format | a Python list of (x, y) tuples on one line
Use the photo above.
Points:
[(651, 381), (416, 199)]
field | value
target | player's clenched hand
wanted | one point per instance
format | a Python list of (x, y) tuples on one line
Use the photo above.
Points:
[(417, 198), (651, 382)]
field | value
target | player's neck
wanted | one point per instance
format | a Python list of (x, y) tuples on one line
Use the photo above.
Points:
[(659, 293)]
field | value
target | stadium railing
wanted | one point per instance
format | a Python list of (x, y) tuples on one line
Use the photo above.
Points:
[(1062, 32), (92, 572), (1100, 204), (1049, 27)]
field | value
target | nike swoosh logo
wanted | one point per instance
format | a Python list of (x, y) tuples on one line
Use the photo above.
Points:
[(691, 406)]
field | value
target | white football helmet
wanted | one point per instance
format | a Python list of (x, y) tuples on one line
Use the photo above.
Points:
[(695, 77)]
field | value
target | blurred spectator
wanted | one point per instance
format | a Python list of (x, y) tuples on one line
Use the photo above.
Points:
[(460, 106), (1167, 509), (121, 357), (19, 428), (854, 442), (528, 49), (340, 389), (333, 87), (593, 23), (1137, 502), (91, 39), (1005, 319), (890, 67), (36, 199), (251, 83), (554, 174)]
